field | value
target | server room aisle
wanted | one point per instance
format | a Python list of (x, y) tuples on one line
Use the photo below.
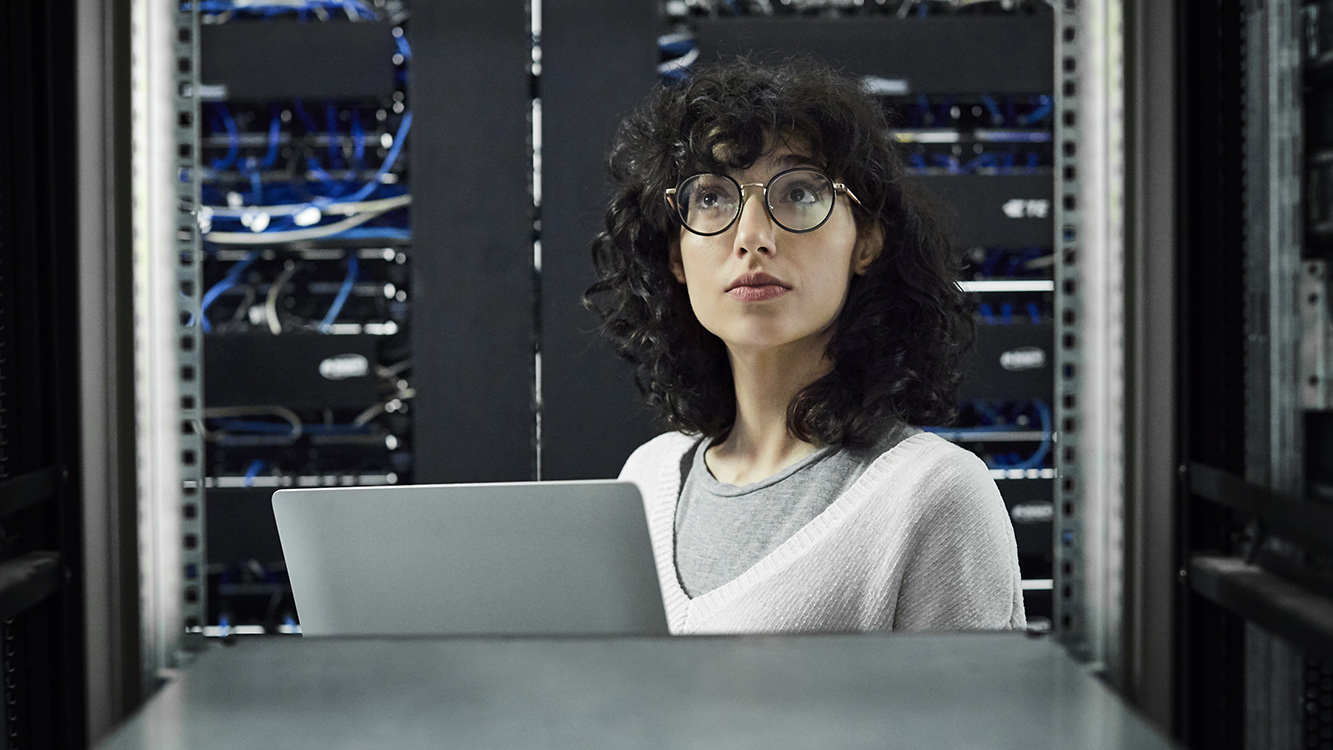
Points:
[(251, 245)]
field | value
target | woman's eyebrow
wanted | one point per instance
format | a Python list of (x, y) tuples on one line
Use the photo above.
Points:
[(796, 160)]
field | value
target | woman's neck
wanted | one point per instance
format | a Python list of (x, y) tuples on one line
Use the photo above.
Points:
[(759, 444)]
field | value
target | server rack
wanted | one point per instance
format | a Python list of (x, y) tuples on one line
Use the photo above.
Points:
[(1255, 597), (330, 357), (305, 268), (946, 104), (272, 313)]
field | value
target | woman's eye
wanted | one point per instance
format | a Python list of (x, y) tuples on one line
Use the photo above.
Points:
[(709, 199), (802, 194)]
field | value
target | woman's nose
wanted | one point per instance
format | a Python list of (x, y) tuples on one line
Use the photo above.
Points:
[(754, 227)]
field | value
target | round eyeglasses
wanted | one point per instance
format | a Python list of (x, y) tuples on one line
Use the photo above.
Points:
[(798, 200)]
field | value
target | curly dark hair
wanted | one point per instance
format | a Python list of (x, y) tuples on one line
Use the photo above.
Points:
[(897, 343)]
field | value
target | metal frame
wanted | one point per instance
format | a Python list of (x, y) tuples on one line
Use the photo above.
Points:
[(1068, 605), (1081, 177), (1146, 669), (1274, 445), (1274, 167), (189, 346), (165, 189), (110, 564), (1103, 389)]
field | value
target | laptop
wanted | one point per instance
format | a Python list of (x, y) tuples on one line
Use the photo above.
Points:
[(523, 558)]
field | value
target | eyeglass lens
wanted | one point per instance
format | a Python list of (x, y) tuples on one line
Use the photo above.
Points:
[(798, 200)]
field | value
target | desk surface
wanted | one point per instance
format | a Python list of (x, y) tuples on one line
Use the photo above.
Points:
[(954, 691)]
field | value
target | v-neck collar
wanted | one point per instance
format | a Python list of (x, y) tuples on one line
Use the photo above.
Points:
[(684, 609)]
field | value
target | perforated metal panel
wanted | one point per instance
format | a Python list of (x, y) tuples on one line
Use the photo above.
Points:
[(1069, 573), (189, 342)]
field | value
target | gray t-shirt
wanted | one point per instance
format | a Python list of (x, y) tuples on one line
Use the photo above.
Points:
[(722, 530)]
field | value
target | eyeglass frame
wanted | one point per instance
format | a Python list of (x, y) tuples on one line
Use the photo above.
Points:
[(838, 187)]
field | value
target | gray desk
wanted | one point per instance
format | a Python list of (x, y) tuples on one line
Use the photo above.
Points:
[(954, 691)]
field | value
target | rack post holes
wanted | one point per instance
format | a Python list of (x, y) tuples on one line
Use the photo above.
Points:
[(1068, 608), (189, 345)]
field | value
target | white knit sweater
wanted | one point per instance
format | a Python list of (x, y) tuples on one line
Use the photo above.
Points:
[(921, 541)]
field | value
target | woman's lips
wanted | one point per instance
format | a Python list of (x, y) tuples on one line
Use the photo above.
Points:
[(757, 286), (756, 293)]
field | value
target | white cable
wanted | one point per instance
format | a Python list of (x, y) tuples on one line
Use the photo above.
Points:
[(313, 233), (392, 371), (284, 3), (271, 302), (674, 38), (364, 417), (290, 209)]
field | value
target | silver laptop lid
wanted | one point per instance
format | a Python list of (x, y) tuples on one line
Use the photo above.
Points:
[(525, 558)]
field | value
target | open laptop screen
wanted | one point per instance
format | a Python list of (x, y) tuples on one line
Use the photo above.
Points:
[(525, 558)]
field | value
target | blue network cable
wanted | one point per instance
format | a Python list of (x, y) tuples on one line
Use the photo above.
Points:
[(233, 138), (343, 292), (358, 140), (274, 135), (333, 190), (403, 48), (331, 123), (996, 117), (309, 122), (389, 160), (987, 314), (256, 466), (923, 106), (249, 170), (376, 233), (1034, 315), (369, 187), (1040, 113), (232, 278)]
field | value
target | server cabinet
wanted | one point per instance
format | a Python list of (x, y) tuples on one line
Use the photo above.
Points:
[(973, 97)]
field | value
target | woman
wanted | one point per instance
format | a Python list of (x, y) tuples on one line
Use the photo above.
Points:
[(791, 311)]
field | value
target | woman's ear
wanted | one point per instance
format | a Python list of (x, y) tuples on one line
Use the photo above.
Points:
[(869, 244), (677, 265)]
